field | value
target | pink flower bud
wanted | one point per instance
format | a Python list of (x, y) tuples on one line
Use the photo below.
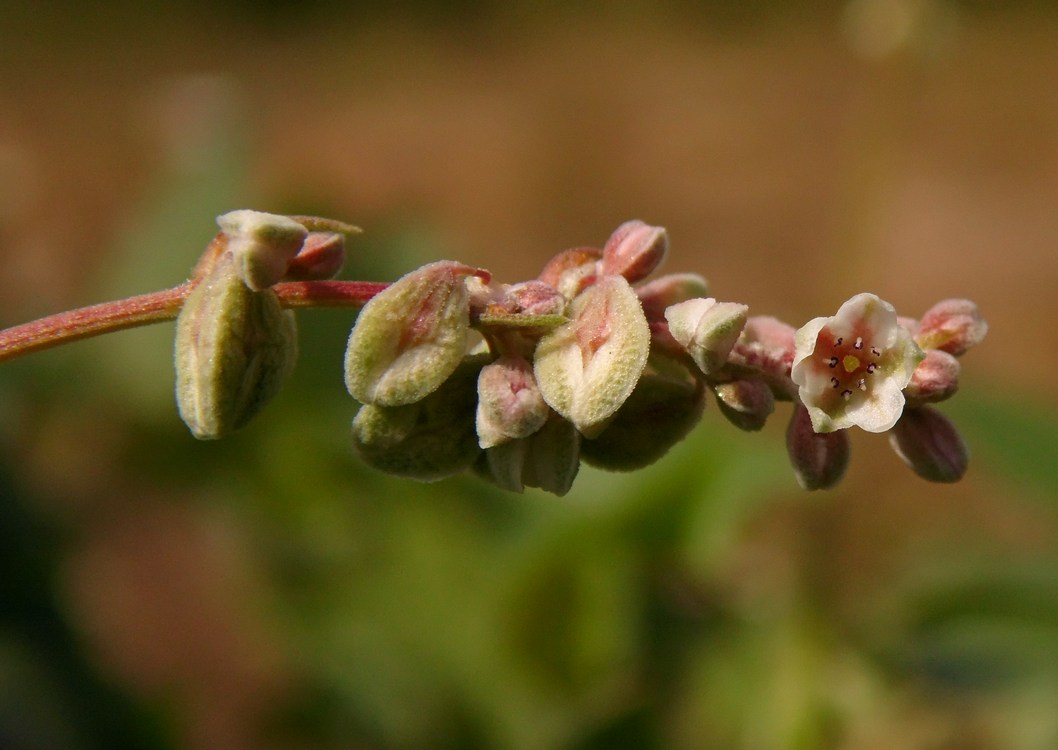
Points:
[(746, 403), (572, 271), (819, 458), (410, 337), (667, 290), (707, 329), (952, 325), (634, 250), (935, 379), (533, 298), (321, 257), (587, 367), (509, 402), (767, 345), (929, 443), (261, 244)]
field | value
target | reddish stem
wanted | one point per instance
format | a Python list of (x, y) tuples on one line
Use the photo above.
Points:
[(107, 317), (327, 293), (91, 321)]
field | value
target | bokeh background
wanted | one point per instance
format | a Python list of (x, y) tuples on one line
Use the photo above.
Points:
[(270, 591)]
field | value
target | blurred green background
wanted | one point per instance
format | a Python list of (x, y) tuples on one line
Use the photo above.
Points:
[(270, 591)]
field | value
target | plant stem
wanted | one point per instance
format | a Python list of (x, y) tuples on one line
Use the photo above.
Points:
[(105, 317), (327, 293), (156, 307)]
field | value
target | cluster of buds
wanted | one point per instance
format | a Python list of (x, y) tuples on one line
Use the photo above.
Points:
[(520, 383), (589, 361)]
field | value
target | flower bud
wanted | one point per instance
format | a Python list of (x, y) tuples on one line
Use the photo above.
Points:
[(533, 298), (746, 403), (531, 304), (767, 345), (409, 337), (587, 367), (427, 440), (659, 414), (952, 325), (234, 349), (707, 329), (929, 443), (667, 290), (321, 257), (572, 271), (634, 250), (935, 379), (819, 458), (261, 244), (509, 402), (548, 459)]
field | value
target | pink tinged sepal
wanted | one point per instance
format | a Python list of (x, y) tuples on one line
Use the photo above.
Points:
[(819, 459), (928, 442), (410, 337), (548, 459), (261, 244), (951, 325), (707, 329), (509, 402), (747, 404), (634, 250), (428, 440), (851, 368), (588, 367)]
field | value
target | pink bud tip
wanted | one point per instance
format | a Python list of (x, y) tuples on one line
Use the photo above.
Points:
[(634, 250)]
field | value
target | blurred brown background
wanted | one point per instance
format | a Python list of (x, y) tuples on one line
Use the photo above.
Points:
[(271, 592)]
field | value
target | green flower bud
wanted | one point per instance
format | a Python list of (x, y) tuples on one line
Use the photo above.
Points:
[(428, 440), (234, 349), (548, 459), (707, 329), (659, 414), (410, 337)]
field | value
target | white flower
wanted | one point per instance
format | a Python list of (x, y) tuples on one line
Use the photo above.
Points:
[(851, 368)]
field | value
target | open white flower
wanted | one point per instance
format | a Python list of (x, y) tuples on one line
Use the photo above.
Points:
[(851, 369)]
